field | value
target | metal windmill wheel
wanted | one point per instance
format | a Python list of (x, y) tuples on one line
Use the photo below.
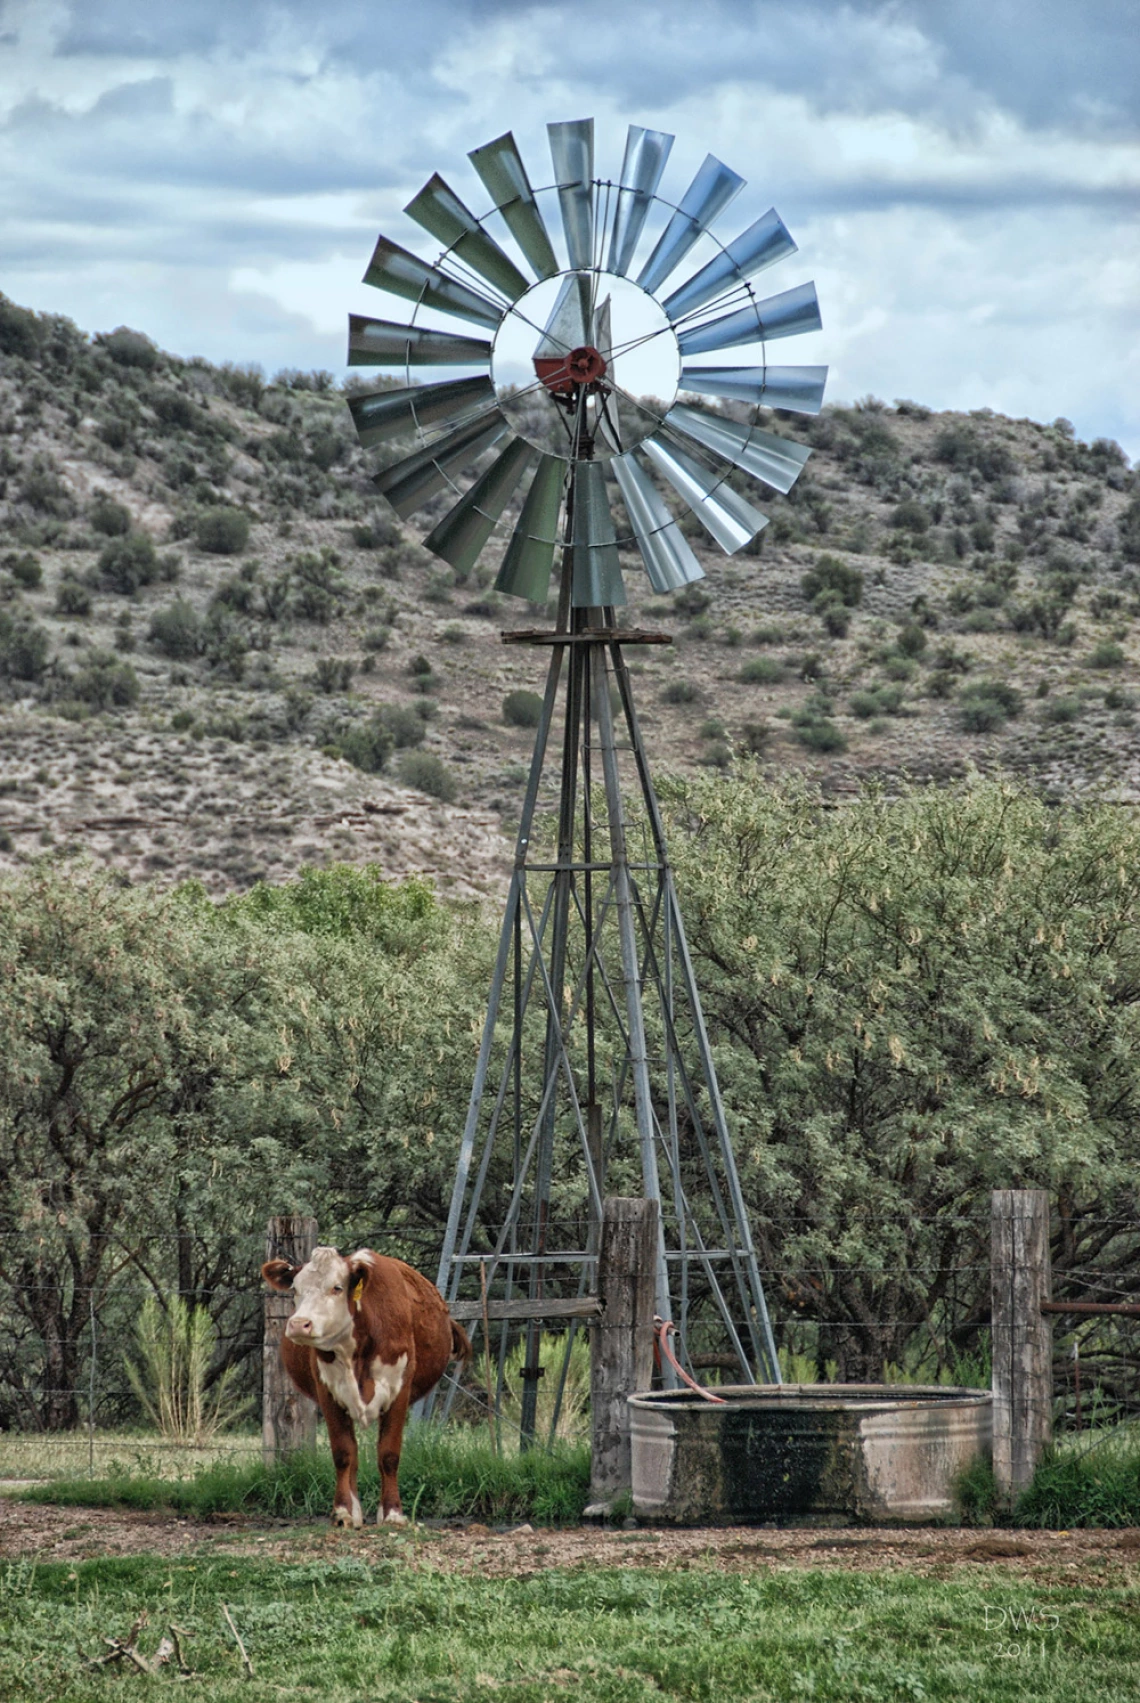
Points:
[(564, 432)]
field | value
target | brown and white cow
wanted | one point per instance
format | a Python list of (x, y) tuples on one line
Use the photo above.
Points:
[(369, 1337)]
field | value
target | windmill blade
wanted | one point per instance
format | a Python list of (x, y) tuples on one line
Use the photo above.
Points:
[(666, 552), (798, 389), (572, 150), (382, 415), (595, 570), (762, 244), (461, 534), (709, 194), (383, 343), (392, 268), (646, 153), (603, 341), (785, 315), (500, 166), (568, 322), (723, 514), (439, 210), (775, 460), (529, 557), (410, 483)]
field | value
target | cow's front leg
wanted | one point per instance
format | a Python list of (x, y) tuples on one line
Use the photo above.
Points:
[(342, 1441), (388, 1446)]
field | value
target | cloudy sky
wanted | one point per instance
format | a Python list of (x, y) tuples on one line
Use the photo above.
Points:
[(961, 176)]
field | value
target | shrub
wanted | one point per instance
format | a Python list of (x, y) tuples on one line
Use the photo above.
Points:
[(173, 409), (427, 773), (72, 598), (522, 709), (406, 726), (24, 649), (754, 737), (19, 331), (876, 701), (127, 563), (910, 516), (834, 614), (176, 1345), (987, 704), (1107, 655), (111, 518), (332, 674), (114, 431), (105, 683), (762, 671), (222, 531), (1062, 710), (821, 734), (692, 600), (45, 492), (831, 574), (377, 534), (680, 692), (24, 568), (129, 348), (376, 638), (911, 640), (1128, 528), (367, 746), (177, 630)]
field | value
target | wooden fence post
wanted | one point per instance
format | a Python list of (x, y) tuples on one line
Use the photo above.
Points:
[(621, 1340), (1020, 1279), (289, 1421)]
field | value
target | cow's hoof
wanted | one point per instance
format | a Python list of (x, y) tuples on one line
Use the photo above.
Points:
[(353, 1516), (393, 1517)]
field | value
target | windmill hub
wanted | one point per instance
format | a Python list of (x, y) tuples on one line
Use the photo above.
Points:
[(578, 355), (583, 365)]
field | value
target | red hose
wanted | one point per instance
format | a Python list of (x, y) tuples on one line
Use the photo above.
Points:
[(664, 1326)]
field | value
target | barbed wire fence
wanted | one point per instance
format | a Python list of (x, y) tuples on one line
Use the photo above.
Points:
[(1096, 1358)]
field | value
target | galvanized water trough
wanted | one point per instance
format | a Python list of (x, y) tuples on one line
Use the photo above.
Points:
[(824, 1453)]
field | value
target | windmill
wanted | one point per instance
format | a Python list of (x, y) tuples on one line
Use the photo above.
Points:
[(567, 430)]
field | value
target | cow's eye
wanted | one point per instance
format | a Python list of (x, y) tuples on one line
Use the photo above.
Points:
[(338, 1288)]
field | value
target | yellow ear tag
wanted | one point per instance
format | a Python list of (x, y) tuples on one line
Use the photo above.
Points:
[(356, 1292)]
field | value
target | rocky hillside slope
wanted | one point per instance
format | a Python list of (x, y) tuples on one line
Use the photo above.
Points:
[(220, 655)]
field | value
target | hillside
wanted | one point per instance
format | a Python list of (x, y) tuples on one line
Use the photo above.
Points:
[(221, 656)]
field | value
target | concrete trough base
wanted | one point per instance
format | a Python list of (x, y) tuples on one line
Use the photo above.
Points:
[(875, 1454)]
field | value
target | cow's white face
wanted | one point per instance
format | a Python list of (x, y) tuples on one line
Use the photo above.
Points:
[(322, 1315)]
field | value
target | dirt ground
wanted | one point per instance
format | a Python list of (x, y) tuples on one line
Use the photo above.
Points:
[(79, 1534)]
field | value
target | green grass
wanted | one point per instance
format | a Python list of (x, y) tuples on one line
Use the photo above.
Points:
[(388, 1628), (442, 1474), (1092, 1479), (1087, 1480)]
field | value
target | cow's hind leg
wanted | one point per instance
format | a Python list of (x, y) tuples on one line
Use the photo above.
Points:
[(342, 1441), (388, 1446)]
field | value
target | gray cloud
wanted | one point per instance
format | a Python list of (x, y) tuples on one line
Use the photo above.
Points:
[(152, 154)]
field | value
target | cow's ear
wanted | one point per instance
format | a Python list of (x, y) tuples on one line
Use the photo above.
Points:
[(357, 1278), (279, 1274)]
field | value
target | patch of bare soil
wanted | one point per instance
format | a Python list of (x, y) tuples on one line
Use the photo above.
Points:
[(81, 1534)]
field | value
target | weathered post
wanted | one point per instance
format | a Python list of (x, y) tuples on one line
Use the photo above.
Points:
[(289, 1422), (621, 1340), (1021, 1279)]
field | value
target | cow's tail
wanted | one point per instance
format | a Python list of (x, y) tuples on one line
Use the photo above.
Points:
[(461, 1348)]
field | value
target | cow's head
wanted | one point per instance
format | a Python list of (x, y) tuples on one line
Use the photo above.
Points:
[(327, 1289)]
